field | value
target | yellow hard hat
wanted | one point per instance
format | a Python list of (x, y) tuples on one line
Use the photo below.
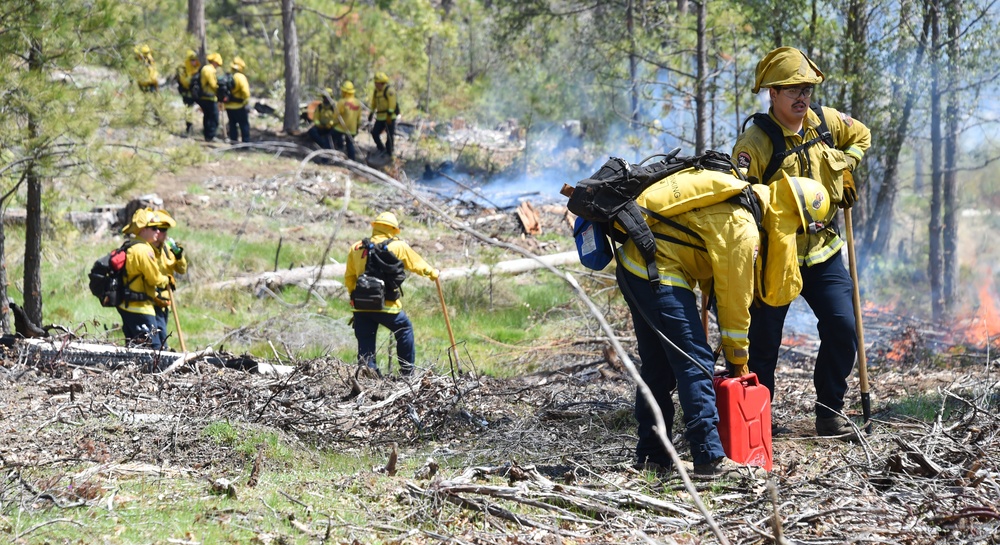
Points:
[(381, 77), (139, 220), (144, 49), (786, 66), (147, 217), (191, 55), (214, 58), (238, 64), (160, 218), (387, 219), (347, 87), (813, 201)]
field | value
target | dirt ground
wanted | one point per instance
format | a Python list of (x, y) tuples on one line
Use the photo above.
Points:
[(546, 457)]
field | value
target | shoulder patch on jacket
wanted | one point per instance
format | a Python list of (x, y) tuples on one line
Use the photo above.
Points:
[(847, 119), (743, 160)]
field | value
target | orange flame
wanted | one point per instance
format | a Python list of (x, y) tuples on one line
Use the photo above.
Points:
[(984, 327)]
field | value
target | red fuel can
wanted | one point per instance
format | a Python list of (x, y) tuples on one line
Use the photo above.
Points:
[(744, 419)]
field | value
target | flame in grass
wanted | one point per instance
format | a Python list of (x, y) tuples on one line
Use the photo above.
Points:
[(983, 328)]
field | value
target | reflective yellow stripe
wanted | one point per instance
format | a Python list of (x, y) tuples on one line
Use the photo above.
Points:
[(822, 254), (631, 265), (855, 151), (734, 334), (673, 280)]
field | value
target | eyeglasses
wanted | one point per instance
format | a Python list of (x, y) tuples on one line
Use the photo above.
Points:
[(796, 92), (159, 229)]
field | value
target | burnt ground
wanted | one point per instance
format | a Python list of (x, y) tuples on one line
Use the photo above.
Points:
[(539, 458), (548, 453)]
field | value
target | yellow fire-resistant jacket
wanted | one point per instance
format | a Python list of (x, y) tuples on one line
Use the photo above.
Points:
[(827, 165), (142, 271), (730, 237), (146, 74), (356, 261), (241, 92), (325, 116), (384, 103), (170, 264), (184, 74), (349, 115), (209, 83)]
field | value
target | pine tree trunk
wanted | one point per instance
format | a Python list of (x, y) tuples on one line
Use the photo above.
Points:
[(33, 206), (934, 262), (291, 49), (701, 75), (633, 67), (950, 235), (196, 25)]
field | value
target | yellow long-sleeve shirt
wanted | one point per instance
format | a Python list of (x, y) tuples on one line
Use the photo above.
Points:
[(356, 261), (820, 162)]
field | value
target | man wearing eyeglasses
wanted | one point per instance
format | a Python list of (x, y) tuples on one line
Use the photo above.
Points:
[(802, 139)]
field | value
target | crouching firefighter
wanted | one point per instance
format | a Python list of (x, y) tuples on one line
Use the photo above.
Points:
[(707, 226)]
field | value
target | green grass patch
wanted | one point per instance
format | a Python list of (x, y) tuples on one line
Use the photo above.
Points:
[(247, 441), (924, 407)]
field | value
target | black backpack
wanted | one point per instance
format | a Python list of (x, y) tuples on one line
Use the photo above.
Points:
[(225, 90), (195, 88), (608, 197), (108, 279), (777, 137), (383, 277)]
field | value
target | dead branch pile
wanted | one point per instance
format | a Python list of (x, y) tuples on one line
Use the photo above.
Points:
[(544, 455)]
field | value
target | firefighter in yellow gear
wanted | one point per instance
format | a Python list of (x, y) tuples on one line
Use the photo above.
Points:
[(385, 228), (348, 117), (146, 284), (147, 76), (385, 110), (207, 99), (324, 118), (236, 107), (185, 71), (820, 144), (712, 247)]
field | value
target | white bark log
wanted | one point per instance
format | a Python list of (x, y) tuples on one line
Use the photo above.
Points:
[(306, 275)]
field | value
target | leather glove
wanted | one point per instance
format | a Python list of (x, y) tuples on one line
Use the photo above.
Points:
[(736, 371), (850, 192), (171, 283), (434, 274)]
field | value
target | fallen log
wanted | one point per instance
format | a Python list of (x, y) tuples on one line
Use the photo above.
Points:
[(275, 280)]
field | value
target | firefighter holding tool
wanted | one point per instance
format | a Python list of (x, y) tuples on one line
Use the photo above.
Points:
[(796, 138)]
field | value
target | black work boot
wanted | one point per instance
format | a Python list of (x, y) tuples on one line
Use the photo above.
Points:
[(836, 427), (659, 465)]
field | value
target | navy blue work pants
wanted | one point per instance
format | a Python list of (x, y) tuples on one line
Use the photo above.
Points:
[(162, 317), (321, 137), (210, 121), (365, 330), (389, 128), (674, 312), (140, 330), (828, 289), (342, 139), (238, 122)]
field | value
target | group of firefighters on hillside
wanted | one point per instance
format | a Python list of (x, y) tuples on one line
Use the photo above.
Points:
[(335, 122), (716, 248)]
